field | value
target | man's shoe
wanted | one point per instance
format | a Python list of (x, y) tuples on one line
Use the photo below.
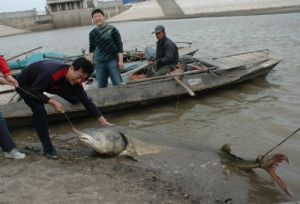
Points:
[(51, 155), (14, 154)]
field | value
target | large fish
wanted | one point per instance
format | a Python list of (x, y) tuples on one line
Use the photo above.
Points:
[(113, 141), (268, 163)]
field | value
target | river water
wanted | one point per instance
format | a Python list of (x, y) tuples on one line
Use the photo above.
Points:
[(253, 117)]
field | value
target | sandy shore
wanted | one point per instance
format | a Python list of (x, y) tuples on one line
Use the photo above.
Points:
[(167, 171), (8, 31), (81, 176)]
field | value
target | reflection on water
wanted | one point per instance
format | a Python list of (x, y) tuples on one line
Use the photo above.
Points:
[(253, 116)]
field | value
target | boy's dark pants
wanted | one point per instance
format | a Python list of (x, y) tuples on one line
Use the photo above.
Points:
[(6, 143)]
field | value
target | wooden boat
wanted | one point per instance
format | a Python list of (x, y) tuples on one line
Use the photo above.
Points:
[(184, 48), (7, 94), (132, 58), (201, 75)]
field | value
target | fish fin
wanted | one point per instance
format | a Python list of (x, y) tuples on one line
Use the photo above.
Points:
[(129, 157), (128, 153), (270, 164), (281, 183)]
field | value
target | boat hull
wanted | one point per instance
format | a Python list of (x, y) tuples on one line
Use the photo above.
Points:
[(148, 91)]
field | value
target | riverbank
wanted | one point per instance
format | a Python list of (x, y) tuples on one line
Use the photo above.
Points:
[(253, 117), (81, 176), (8, 31)]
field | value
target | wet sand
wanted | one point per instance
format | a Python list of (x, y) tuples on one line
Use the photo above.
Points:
[(75, 178), (171, 175)]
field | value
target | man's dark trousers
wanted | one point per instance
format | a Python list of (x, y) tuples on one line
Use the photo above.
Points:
[(40, 120)]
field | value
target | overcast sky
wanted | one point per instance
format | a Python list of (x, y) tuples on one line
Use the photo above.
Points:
[(21, 5)]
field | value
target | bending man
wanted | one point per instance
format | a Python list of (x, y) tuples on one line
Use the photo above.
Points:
[(60, 79)]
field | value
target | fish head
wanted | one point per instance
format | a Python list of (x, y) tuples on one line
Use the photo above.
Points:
[(105, 141), (270, 164)]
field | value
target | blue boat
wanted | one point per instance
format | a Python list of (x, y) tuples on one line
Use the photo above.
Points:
[(35, 57)]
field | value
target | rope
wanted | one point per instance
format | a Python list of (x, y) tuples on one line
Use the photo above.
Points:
[(281, 142), (68, 119)]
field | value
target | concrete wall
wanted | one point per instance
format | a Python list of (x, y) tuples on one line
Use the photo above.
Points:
[(30, 21), (17, 14), (71, 18), (26, 20), (80, 17)]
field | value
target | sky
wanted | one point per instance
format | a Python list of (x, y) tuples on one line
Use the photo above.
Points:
[(21, 5)]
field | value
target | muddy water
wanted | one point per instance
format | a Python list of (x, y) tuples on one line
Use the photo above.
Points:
[(253, 116)]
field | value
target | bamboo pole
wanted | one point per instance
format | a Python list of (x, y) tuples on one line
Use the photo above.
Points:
[(23, 53), (58, 58)]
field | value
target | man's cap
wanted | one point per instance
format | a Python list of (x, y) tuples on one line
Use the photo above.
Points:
[(159, 29)]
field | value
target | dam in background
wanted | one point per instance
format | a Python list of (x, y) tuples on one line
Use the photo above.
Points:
[(28, 21)]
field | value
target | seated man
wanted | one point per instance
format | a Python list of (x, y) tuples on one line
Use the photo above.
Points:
[(166, 53)]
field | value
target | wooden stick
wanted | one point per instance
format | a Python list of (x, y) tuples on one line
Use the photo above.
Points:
[(24, 53), (134, 56), (169, 76), (184, 86)]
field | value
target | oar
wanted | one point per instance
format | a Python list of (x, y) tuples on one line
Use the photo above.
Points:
[(168, 76), (23, 53), (184, 86)]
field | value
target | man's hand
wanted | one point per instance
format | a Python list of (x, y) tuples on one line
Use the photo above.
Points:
[(120, 60), (56, 105), (3, 81), (152, 62), (12, 81), (104, 122), (121, 64)]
